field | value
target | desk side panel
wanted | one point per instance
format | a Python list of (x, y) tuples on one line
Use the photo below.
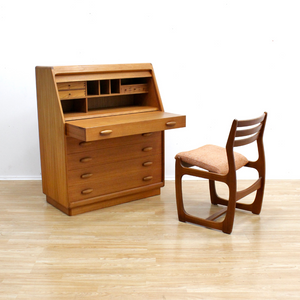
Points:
[(156, 91), (52, 137)]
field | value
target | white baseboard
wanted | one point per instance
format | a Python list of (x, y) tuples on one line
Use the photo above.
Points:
[(185, 178), (20, 177)]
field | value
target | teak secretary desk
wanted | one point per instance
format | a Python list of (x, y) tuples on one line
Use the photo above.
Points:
[(101, 134)]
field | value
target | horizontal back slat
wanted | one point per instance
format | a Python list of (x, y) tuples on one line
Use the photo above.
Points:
[(246, 141), (251, 122), (249, 131)]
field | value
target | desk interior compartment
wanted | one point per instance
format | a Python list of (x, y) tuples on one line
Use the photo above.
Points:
[(74, 106), (93, 88)]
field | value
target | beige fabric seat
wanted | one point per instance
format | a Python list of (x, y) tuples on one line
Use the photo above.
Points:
[(211, 158), (220, 164)]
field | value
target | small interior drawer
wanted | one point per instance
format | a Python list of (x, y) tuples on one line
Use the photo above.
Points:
[(134, 88), (71, 85), (72, 94)]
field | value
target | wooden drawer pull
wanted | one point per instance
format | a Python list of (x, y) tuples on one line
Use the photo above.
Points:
[(84, 144), (147, 149), (171, 123), (87, 175), (147, 178), (85, 159), (87, 191), (147, 134), (147, 163), (106, 132)]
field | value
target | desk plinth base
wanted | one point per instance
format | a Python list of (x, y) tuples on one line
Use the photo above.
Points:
[(79, 208)]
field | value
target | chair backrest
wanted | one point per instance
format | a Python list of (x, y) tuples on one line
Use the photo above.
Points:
[(251, 134), (241, 136)]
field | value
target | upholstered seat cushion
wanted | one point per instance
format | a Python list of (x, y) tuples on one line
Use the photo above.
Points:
[(211, 158)]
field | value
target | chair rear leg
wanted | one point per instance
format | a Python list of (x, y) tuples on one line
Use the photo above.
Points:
[(214, 197), (257, 203), (213, 192), (178, 189), (260, 168)]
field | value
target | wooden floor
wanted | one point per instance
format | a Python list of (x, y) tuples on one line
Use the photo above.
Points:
[(140, 251)]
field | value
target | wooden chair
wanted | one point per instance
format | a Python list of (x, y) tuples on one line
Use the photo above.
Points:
[(220, 164)]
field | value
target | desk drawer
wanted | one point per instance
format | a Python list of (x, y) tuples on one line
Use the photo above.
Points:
[(114, 178), (76, 85), (116, 154), (127, 168), (71, 94), (134, 88), (117, 126), (75, 145)]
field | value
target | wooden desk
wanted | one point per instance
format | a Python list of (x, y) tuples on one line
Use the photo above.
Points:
[(101, 135)]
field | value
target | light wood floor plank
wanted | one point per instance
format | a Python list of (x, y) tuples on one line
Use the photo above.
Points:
[(139, 250)]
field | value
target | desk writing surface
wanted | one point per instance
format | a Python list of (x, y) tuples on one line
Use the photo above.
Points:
[(90, 129)]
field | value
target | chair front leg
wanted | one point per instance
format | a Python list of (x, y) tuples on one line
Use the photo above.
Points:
[(229, 218)]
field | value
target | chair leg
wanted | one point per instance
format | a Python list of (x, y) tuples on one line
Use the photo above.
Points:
[(214, 197), (229, 218), (178, 189), (228, 221), (226, 225), (257, 203), (213, 192)]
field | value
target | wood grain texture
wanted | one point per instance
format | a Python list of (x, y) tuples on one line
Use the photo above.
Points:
[(139, 250), (51, 136), (122, 100), (102, 68), (90, 129), (119, 153)]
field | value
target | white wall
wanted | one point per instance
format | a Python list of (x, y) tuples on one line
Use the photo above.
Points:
[(214, 61)]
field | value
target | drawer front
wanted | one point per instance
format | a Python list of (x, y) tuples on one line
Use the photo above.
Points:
[(72, 94), (75, 145), (114, 183), (111, 127), (94, 174), (71, 85), (134, 88), (115, 154)]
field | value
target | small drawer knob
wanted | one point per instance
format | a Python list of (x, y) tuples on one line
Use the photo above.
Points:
[(105, 132), (171, 123), (147, 134), (147, 178), (85, 144), (86, 191), (147, 149), (87, 175), (85, 159), (147, 163)]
